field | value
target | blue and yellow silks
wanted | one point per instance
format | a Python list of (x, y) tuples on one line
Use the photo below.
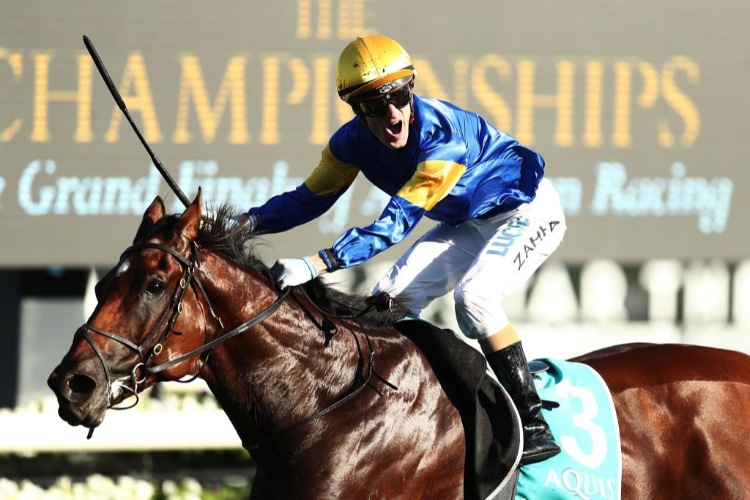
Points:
[(454, 167)]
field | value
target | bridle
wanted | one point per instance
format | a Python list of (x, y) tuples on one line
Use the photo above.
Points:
[(189, 279), (143, 368)]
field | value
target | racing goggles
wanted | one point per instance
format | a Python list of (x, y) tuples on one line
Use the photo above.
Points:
[(378, 106)]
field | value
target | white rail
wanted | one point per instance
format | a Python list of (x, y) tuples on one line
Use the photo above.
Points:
[(131, 430)]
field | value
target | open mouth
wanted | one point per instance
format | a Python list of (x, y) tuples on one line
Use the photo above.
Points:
[(395, 129)]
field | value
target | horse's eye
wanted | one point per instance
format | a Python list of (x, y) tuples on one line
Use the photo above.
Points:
[(156, 287)]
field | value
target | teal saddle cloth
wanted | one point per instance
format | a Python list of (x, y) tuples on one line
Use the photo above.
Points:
[(585, 426)]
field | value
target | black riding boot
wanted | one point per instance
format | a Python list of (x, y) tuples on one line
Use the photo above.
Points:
[(512, 370)]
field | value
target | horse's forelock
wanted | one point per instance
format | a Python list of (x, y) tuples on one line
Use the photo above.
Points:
[(221, 234)]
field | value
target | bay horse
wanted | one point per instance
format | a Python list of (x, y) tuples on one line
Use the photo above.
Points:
[(295, 373)]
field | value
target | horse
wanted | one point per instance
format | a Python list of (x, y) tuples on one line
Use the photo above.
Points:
[(296, 374)]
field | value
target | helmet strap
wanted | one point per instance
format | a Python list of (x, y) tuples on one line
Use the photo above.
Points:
[(411, 101)]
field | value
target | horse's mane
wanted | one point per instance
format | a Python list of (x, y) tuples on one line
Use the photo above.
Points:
[(238, 244)]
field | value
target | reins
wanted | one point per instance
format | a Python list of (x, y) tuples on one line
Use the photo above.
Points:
[(259, 318)]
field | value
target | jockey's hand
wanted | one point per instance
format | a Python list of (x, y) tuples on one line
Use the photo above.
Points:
[(293, 272), (244, 221), (241, 220), (247, 221)]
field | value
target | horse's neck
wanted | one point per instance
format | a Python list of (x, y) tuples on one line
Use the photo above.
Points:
[(279, 371)]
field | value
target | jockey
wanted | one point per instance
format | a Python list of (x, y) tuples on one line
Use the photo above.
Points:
[(498, 218)]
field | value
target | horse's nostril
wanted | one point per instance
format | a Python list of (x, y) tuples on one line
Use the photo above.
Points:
[(80, 384)]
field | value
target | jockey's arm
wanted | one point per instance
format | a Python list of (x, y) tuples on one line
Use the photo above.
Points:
[(308, 201), (431, 182)]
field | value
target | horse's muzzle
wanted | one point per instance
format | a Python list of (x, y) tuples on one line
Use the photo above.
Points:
[(79, 397)]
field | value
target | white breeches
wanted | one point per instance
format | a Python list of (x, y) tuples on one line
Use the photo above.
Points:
[(482, 261)]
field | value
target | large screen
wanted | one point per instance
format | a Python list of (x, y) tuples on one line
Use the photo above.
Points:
[(640, 109)]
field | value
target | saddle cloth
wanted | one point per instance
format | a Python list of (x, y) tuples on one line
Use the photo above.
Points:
[(585, 426)]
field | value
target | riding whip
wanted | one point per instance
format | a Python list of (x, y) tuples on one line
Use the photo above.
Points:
[(121, 104)]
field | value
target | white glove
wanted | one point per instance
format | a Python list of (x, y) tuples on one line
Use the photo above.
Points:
[(293, 272)]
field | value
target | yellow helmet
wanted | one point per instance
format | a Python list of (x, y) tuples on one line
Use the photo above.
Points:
[(369, 63)]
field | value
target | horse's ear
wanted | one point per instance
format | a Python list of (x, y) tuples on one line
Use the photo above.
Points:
[(191, 217), (153, 213)]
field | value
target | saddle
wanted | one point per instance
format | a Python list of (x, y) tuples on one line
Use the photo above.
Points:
[(491, 424)]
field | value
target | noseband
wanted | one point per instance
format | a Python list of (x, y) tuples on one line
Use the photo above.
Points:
[(143, 368)]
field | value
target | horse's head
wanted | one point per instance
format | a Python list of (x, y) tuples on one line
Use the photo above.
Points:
[(149, 310)]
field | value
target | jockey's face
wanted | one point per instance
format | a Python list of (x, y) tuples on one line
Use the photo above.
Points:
[(392, 129)]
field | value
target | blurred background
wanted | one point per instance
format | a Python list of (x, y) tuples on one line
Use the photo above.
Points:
[(640, 109)]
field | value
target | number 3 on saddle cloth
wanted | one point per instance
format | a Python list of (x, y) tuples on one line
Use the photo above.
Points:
[(585, 427)]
